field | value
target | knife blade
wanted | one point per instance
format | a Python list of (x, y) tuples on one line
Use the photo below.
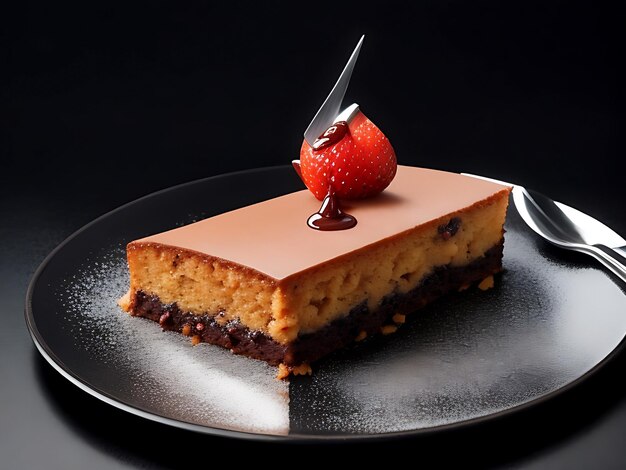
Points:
[(331, 107)]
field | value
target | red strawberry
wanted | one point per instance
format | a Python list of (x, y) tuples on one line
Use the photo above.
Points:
[(352, 160)]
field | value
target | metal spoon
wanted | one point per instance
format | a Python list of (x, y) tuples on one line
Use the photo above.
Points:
[(569, 228)]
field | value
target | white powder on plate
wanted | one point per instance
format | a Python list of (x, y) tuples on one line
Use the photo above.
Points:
[(470, 356), (161, 372)]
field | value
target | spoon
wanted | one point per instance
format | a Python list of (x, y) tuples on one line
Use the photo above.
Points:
[(569, 228)]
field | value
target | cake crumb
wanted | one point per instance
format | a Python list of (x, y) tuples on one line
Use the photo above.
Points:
[(463, 287), (285, 371), (164, 318), (221, 319), (486, 283), (195, 339), (388, 329), (186, 329), (302, 369), (399, 319), (361, 336), (124, 301)]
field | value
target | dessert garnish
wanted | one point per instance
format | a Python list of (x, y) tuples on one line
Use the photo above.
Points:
[(351, 159), (359, 164)]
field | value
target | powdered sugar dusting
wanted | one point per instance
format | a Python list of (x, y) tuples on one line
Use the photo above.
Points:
[(161, 372), (469, 356)]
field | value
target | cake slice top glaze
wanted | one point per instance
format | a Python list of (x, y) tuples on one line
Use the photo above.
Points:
[(272, 237)]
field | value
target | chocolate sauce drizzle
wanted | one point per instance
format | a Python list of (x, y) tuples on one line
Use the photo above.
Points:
[(330, 216), (331, 136)]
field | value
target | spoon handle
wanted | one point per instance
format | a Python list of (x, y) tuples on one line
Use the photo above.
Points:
[(614, 259), (621, 250)]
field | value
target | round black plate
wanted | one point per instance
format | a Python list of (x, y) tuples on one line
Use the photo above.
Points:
[(552, 318)]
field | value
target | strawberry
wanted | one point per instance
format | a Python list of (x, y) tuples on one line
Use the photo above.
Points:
[(353, 161)]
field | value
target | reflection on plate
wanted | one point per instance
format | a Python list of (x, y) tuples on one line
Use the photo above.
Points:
[(545, 325)]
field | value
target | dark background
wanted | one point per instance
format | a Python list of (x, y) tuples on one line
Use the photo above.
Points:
[(101, 104)]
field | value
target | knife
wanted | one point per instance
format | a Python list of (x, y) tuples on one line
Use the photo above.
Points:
[(330, 109), (569, 228)]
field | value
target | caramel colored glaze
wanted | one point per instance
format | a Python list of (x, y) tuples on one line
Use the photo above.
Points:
[(273, 239)]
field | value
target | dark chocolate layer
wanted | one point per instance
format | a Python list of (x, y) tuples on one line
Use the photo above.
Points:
[(310, 347), (233, 336)]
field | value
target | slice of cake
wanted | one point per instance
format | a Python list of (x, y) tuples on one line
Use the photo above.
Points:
[(261, 282)]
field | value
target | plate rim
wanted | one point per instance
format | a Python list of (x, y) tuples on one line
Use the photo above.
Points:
[(48, 354)]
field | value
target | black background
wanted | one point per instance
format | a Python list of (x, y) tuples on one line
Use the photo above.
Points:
[(101, 104)]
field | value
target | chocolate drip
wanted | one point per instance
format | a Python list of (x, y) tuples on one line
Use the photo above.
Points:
[(331, 136), (330, 216)]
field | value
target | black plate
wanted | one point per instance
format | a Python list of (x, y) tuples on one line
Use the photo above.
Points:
[(551, 320)]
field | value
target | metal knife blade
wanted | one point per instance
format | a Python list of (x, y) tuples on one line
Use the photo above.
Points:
[(331, 107)]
